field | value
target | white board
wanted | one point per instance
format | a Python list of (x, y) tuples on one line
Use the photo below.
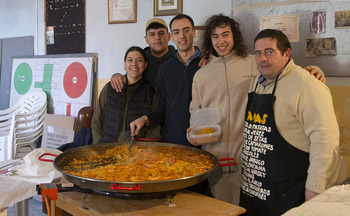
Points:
[(67, 80)]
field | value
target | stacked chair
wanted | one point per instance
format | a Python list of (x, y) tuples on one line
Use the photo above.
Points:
[(21, 125), (6, 124)]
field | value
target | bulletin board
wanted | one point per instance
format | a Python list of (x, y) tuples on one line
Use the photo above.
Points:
[(65, 26), (67, 79), (335, 62)]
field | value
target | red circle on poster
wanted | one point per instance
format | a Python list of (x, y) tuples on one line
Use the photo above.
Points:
[(75, 80)]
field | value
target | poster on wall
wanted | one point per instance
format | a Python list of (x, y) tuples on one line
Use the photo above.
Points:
[(67, 80), (342, 19), (288, 24), (321, 47), (318, 22)]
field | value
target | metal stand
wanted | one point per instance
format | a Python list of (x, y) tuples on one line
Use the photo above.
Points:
[(170, 200), (82, 205), (21, 208)]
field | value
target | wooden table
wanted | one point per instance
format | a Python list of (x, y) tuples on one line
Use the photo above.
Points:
[(3, 212), (183, 203)]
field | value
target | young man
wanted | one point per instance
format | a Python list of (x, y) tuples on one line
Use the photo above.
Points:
[(174, 84), (157, 37), (223, 83), (291, 135)]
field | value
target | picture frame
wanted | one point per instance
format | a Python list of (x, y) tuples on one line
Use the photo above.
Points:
[(342, 19), (167, 7), (197, 41), (122, 11), (321, 47)]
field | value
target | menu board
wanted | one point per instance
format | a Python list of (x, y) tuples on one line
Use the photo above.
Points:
[(65, 26)]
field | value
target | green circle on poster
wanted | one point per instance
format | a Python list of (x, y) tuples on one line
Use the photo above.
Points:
[(23, 78)]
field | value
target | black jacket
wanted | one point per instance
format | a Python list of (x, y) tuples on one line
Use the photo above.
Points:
[(153, 64), (174, 92), (140, 103)]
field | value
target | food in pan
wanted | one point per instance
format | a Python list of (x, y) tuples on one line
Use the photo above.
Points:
[(143, 163)]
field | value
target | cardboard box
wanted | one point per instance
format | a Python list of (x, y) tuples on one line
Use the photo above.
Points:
[(58, 130)]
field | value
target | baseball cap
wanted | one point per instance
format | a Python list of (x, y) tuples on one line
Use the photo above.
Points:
[(156, 20)]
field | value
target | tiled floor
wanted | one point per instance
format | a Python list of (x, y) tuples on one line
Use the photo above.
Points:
[(35, 208)]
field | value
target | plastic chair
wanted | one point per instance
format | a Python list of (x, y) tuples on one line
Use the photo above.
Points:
[(7, 118), (26, 119)]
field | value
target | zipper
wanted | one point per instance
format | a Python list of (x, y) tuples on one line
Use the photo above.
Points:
[(228, 107)]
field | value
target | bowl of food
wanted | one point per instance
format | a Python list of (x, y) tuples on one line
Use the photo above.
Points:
[(205, 126)]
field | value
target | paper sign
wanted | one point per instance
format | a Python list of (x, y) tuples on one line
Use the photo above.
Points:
[(58, 130), (288, 24)]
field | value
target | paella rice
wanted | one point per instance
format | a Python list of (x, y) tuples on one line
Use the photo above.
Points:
[(143, 163)]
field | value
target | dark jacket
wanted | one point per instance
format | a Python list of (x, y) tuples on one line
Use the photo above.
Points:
[(140, 103), (174, 92), (153, 64), (82, 138)]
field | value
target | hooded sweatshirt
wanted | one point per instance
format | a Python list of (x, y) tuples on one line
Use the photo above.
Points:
[(153, 64)]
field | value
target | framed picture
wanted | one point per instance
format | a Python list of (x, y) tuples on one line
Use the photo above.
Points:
[(342, 19), (167, 7), (122, 11), (321, 47), (197, 41)]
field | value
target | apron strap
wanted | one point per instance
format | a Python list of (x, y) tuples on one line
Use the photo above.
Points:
[(274, 88)]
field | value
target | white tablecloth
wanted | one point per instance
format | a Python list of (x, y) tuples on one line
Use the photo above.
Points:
[(18, 178), (334, 201)]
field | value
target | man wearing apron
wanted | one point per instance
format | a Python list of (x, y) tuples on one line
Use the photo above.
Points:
[(291, 136)]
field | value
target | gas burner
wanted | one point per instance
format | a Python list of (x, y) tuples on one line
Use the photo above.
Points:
[(127, 196), (136, 196)]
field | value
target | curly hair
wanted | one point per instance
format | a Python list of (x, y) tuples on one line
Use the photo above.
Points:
[(222, 21)]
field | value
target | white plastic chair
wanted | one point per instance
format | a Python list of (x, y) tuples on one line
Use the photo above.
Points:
[(7, 118), (26, 124)]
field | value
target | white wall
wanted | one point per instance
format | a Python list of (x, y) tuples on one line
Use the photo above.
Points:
[(110, 41), (337, 69)]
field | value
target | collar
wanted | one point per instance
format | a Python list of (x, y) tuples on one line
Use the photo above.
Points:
[(196, 54), (229, 57), (126, 84), (262, 81)]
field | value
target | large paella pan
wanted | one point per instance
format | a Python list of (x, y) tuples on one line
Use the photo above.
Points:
[(66, 162)]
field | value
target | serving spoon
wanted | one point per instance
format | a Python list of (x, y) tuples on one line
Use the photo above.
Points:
[(132, 141)]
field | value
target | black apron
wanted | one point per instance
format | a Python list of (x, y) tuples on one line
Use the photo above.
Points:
[(273, 171)]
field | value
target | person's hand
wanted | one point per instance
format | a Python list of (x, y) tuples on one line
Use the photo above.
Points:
[(136, 125), (204, 61), (317, 72), (309, 194), (117, 81)]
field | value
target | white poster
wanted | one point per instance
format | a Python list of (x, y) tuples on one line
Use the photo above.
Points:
[(288, 24), (66, 80)]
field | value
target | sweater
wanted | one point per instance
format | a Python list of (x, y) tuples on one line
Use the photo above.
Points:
[(153, 64), (305, 117), (224, 84), (174, 83)]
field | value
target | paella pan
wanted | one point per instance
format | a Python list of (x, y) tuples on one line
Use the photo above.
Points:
[(66, 163)]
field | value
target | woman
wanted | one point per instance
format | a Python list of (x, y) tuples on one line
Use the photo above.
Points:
[(115, 110)]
